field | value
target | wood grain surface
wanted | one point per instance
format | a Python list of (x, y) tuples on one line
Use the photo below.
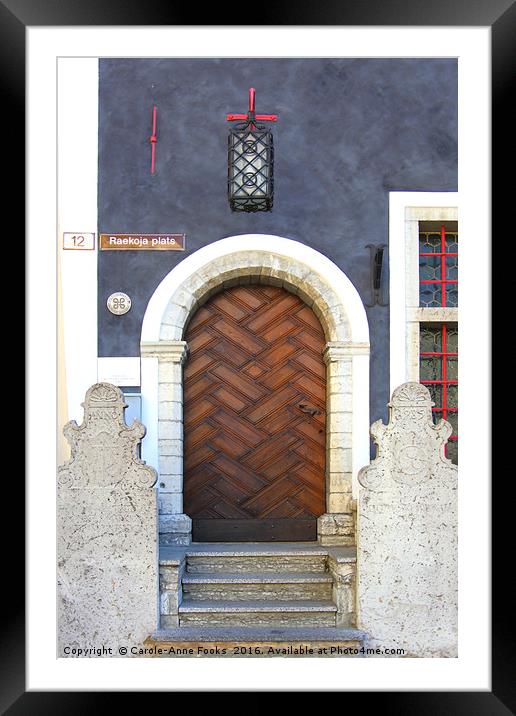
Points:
[(254, 417)]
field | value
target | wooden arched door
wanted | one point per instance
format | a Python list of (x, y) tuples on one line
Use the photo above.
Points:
[(254, 418)]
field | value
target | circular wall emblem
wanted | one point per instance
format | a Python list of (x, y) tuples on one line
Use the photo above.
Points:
[(119, 303)]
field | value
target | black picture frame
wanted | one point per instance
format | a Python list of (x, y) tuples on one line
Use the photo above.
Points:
[(500, 16)]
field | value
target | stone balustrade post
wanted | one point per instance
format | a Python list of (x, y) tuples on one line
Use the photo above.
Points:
[(407, 532), (107, 543)]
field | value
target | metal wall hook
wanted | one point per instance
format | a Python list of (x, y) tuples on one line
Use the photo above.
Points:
[(376, 252)]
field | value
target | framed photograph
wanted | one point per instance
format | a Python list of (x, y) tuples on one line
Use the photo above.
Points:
[(253, 239)]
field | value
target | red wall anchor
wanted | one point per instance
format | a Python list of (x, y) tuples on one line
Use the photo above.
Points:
[(251, 115), (153, 139)]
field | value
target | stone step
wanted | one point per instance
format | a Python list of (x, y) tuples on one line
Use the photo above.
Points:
[(255, 641), (255, 557), (257, 586), (292, 613), (196, 564)]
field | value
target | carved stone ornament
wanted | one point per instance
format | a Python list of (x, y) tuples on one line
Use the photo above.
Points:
[(410, 446), (104, 449), (119, 303)]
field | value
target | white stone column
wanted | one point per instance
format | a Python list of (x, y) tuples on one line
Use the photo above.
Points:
[(175, 527), (336, 526)]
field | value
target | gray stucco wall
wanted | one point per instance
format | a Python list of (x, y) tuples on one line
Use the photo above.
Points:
[(349, 131)]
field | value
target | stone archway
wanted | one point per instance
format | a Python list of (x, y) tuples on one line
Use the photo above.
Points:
[(333, 298)]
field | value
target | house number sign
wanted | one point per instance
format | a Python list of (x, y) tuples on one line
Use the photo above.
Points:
[(78, 241), (119, 303)]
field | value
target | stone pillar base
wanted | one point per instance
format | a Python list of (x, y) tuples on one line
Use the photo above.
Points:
[(336, 528), (171, 593), (343, 571), (175, 529)]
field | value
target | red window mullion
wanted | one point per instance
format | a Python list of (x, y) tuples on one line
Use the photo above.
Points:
[(438, 253), (438, 382), (443, 265), (444, 368), (438, 354)]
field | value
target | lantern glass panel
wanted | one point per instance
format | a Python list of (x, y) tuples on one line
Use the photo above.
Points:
[(250, 154)]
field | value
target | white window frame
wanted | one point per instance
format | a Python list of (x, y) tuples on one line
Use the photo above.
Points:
[(406, 210)]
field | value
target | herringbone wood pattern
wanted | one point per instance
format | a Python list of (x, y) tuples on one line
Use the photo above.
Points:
[(254, 417)]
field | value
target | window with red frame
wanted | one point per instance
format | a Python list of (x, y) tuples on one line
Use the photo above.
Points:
[(438, 371), (438, 288), (438, 266)]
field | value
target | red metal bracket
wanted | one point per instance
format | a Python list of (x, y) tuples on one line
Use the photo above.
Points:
[(153, 139), (250, 116)]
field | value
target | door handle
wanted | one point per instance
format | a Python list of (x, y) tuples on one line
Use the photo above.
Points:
[(309, 409)]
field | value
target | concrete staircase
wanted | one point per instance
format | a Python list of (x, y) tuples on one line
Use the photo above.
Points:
[(257, 593)]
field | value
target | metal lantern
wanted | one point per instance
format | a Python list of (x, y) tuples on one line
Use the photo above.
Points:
[(250, 161)]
